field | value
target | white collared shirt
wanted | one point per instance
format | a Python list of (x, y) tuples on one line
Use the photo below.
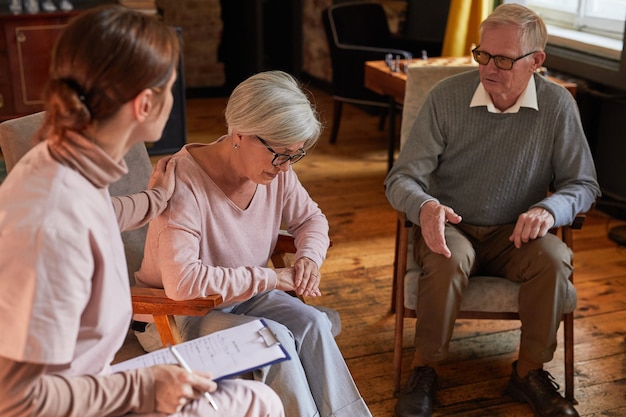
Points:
[(528, 98)]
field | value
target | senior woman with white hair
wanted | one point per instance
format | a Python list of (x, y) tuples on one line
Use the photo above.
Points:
[(216, 236)]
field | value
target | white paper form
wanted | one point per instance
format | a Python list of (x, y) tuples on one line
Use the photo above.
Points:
[(225, 353)]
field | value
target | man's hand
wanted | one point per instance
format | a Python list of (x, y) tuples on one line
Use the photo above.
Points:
[(535, 223), (433, 218)]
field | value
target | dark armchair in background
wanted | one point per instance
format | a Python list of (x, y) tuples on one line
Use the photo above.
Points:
[(357, 32), (425, 26)]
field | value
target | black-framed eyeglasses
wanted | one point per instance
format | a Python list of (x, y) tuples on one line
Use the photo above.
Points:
[(502, 62), (282, 158)]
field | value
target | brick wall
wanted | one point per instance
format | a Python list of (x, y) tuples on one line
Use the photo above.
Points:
[(201, 24), (315, 54)]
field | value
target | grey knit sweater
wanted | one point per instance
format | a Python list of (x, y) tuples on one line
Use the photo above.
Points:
[(491, 167)]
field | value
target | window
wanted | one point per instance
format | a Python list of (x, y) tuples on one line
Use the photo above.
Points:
[(592, 26), (586, 37), (603, 17)]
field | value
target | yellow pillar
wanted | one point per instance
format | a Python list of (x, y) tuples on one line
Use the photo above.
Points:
[(462, 27)]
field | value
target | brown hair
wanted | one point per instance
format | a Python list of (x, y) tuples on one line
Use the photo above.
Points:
[(102, 60)]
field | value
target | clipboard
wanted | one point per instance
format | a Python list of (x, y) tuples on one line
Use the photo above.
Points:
[(223, 354)]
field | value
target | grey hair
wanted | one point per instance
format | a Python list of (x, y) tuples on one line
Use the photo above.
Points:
[(533, 29), (274, 106)]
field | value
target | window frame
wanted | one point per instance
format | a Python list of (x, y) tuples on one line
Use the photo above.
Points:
[(578, 20), (572, 56)]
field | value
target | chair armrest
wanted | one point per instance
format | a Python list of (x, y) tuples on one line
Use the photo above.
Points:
[(285, 244), (372, 53), (578, 222), (153, 301), (567, 234), (416, 46), (402, 219)]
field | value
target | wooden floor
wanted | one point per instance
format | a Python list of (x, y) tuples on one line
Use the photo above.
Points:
[(346, 180)]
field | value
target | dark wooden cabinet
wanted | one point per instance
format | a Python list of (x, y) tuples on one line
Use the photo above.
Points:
[(26, 43)]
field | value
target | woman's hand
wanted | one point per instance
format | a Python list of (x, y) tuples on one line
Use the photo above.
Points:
[(303, 278), (307, 277), (163, 175), (175, 387)]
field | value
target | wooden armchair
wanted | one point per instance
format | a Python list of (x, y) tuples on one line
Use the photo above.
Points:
[(15, 141), (486, 297)]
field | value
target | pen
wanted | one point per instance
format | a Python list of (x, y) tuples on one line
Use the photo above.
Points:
[(186, 367)]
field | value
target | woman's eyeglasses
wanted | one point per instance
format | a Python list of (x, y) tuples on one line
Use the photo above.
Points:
[(282, 158), (502, 62)]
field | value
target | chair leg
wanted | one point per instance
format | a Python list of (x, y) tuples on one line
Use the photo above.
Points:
[(168, 329), (568, 336), (397, 349), (402, 240), (337, 108), (392, 133), (382, 119), (394, 287)]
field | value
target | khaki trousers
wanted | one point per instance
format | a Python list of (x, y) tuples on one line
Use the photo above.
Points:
[(542, 266)]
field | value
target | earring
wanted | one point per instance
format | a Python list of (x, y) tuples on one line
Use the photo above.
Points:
[(235, 146)]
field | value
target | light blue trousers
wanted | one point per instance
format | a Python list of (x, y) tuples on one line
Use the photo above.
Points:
[(315, 382)]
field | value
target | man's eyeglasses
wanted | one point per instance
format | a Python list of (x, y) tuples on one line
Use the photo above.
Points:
[(502, 62), (282, 158)]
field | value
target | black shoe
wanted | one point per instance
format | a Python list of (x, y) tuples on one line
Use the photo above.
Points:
[(417, 396), (540, 391)]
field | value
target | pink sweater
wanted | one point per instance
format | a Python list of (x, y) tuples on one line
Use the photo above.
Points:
[(204, 244), (64, 290)]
